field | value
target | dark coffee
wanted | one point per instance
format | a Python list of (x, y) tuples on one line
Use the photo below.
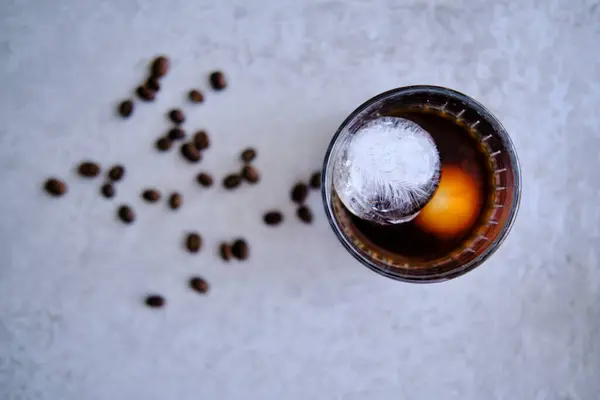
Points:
[(456, 208)]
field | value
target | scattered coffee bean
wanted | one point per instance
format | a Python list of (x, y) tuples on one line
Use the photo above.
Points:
[(239, 249), (176, 134), (196, 96), (248, 155), (126, 214), (315, 180), (204, 179), (201, 140), (145, 94), (225, 251), (177, 116), (116, 173), (126, 108), (153, 84), (175, 201), (88, 169), (299, 193), (160, 67), (273, 218), (155, 301), (55, 187), (199, 285), (163, 144), (190, 152), (193, 242), (250, 174), (151, 195), (217, 80), (305, 214), (107, 190), (232, 181)]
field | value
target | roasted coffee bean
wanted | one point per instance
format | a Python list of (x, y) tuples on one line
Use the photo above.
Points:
[(107, 190), (193, 242), (55, 187), (196, 96), (126, 214), (88, 169), (315, 180), (199, 285), (116, 173), (201, 140), (299, 193), (153, 84), (190, 152), (145, 94), (177, 116), (126, 108), (204, 179), (175, 201), (304, 214), (151, 195), (239, 249), (155, 301), (232, 181), (225, 251), (248, 155), (273, 218), (250, 174), (160, 67), (163, 144), (176, 134), (217, 80)]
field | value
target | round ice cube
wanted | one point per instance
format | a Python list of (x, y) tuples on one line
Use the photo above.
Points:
[(387, 171)]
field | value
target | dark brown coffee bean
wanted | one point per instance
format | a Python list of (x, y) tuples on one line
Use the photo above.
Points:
[(88, 169), (204, 179), (55, 187), (126, 214), (299, 193), (304, 214), (177, 116), (201, 140), (175, 201), (126, 108), (217, 80), (193, 242), (116, 173), (176, 134), (232, 181), (163, 144), (315, 180), (199, 285), (273, 218), (225, 251), (160, 67), (248, 155), (145, 94), (190, 152), (240, 249), (154, 301), (250, 174), (151, 195), (107, 190), (153, 84), (196, 96)]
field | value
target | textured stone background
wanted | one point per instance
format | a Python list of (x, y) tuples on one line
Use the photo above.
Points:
[(301, 319)]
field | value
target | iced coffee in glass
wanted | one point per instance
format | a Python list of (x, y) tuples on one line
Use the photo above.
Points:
[(421, 184)]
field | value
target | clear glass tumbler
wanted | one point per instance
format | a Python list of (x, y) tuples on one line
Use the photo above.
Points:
[(504, 192)]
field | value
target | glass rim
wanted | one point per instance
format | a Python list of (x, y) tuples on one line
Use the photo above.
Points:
[(507, 143)]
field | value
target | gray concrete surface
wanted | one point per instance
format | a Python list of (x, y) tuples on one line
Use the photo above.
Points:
[(301, 319)]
